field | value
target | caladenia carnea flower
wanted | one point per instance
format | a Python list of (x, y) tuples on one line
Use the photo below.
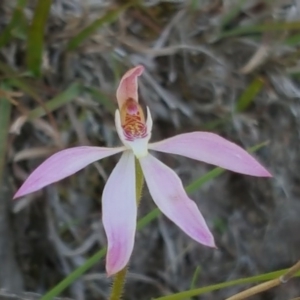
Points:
[(119, 206)]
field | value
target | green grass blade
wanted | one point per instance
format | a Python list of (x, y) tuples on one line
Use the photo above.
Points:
[(35, 39), (195, 277), (214, 287), (6, 34), (5, 109), (140, 225), (101, 98), (194, 5), (242, 104), (16, 81), (108, 18), (232, 13), (216, 123), (195, 185), (148, 218), (258, 146), (90, 262), (280, 26), (63, 98), (293, 40), (249, 94)]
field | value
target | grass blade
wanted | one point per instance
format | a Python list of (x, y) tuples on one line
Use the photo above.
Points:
[(242, 104), (15, 80), (35, 40), (249, 94), (280, 26), (102, 98), (74, 275), (5, 109), (214, 287), (63, 98), (108, 18), (232, 13), (293, 40), (6, 34), (195, 185), (195, 277)]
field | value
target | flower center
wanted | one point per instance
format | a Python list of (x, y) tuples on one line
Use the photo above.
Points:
[(133, 120)]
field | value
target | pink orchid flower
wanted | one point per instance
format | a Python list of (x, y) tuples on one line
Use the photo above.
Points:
[(119, 199)]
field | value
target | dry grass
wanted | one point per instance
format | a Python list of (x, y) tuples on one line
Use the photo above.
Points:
[(193, 79)]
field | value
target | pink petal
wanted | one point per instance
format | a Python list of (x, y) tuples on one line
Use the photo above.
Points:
[(169, 195), (213, 149), (128, 87), (119, 210), (63, 164)]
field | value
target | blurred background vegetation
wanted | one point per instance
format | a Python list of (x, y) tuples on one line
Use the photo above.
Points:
[(227, 66)]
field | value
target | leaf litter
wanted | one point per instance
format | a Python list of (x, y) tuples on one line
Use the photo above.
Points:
[(196, 74)]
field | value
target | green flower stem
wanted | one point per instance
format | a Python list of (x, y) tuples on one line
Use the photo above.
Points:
[(119, 280), (139, 178), (118, 284)]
